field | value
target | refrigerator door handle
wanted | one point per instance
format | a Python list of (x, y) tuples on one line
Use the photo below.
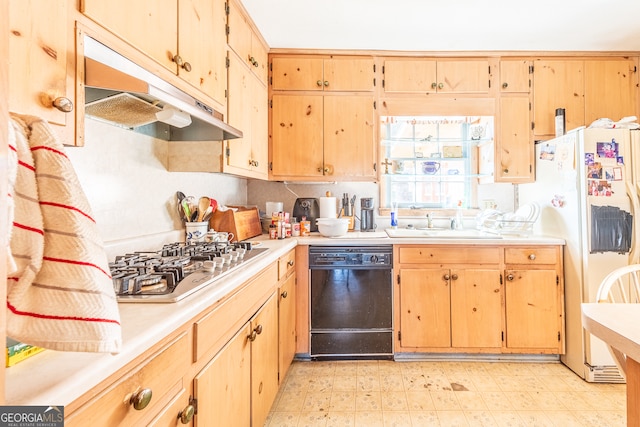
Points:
[(633, 192)]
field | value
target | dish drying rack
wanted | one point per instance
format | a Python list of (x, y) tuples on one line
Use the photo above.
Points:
[(519, 223)]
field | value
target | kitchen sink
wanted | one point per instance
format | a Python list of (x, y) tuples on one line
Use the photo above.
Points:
[(440, 233)]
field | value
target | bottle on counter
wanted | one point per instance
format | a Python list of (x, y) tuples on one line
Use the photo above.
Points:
[(295, 227), (394, 215)]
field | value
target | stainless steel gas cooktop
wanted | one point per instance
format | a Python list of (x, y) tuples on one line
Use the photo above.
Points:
[(177, 270)]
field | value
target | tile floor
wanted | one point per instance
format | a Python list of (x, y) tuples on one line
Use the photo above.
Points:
[(386, 393)]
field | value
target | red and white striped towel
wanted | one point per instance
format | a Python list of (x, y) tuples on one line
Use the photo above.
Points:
[(60, 294)]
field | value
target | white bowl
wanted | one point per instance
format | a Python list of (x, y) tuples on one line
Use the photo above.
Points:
[(333, 227)]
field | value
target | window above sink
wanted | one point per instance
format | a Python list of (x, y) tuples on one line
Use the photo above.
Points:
[(433, 161)]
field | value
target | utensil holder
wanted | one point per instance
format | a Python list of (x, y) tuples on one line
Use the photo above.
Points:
[(196, 231)]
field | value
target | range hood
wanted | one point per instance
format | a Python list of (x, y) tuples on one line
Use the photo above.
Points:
[(121, 92)]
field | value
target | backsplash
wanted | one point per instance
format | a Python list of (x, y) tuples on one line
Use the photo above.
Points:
[(132, 195), (260, 192)]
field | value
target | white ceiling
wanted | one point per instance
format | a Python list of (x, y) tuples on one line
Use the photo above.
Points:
[(449, 25)]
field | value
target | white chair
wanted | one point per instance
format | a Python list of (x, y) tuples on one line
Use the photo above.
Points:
[(620, 286)]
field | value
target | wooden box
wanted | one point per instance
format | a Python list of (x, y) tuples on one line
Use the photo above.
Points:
[(243, 223)]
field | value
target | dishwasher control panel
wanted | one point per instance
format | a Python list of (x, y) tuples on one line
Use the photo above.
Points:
[(349, 256)]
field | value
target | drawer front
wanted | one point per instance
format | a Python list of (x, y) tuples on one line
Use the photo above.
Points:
[(531, 256), (448, 255), (220, 324), (286, 264), (170, 416), (162, 374)]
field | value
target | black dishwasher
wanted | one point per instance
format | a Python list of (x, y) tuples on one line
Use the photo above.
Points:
[(351, 300)]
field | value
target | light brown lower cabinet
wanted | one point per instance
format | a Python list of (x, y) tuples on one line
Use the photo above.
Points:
[(222, 368), (239, 385), (479, 299)]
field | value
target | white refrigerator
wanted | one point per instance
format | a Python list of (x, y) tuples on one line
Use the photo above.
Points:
[(587, 186)]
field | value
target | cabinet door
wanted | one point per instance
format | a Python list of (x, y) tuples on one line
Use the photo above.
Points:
[(240, 113), (467, 76), (476, 308), (412, 76), (286, 325), (38, 57), (223, 387), (202, 44), (557, 84), (515, 76), (264, 361), (297, 73), (514, 148), (296, 132), (610, 89), (246, 43), (259, 130), (425, 308), (348, 136), (151, 26), (348, 74), (533, 312)]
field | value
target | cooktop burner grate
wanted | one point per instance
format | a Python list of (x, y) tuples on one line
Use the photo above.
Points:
[(177, 270)]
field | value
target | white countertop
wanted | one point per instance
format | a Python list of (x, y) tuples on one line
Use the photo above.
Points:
[(58, 378)]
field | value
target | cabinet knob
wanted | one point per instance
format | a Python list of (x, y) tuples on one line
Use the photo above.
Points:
[(327, 170), (326, 83), (505, 85), (454, 276), (63, 104), (510, 277), (434, 85), (140, 398), (446, 277), (284, 294), (532, 257), (252, 337), (290, 263), (187, 413), (258, 329), (187, 67), (505, 170), (319, 83), (178, 60), (440, 85)]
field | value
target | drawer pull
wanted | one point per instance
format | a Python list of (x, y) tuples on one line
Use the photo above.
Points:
[(284, 294), (532, 257), (140, 398), (186, 414), (290, 263)]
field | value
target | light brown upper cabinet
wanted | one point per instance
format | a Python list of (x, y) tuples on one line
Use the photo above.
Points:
[(557, 84), (244, 41), (187, 37), (436, 76), (327, 136), (515, 76), (514, 161), (322, 74), (247, 110), (610, 89), (40, 42)]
